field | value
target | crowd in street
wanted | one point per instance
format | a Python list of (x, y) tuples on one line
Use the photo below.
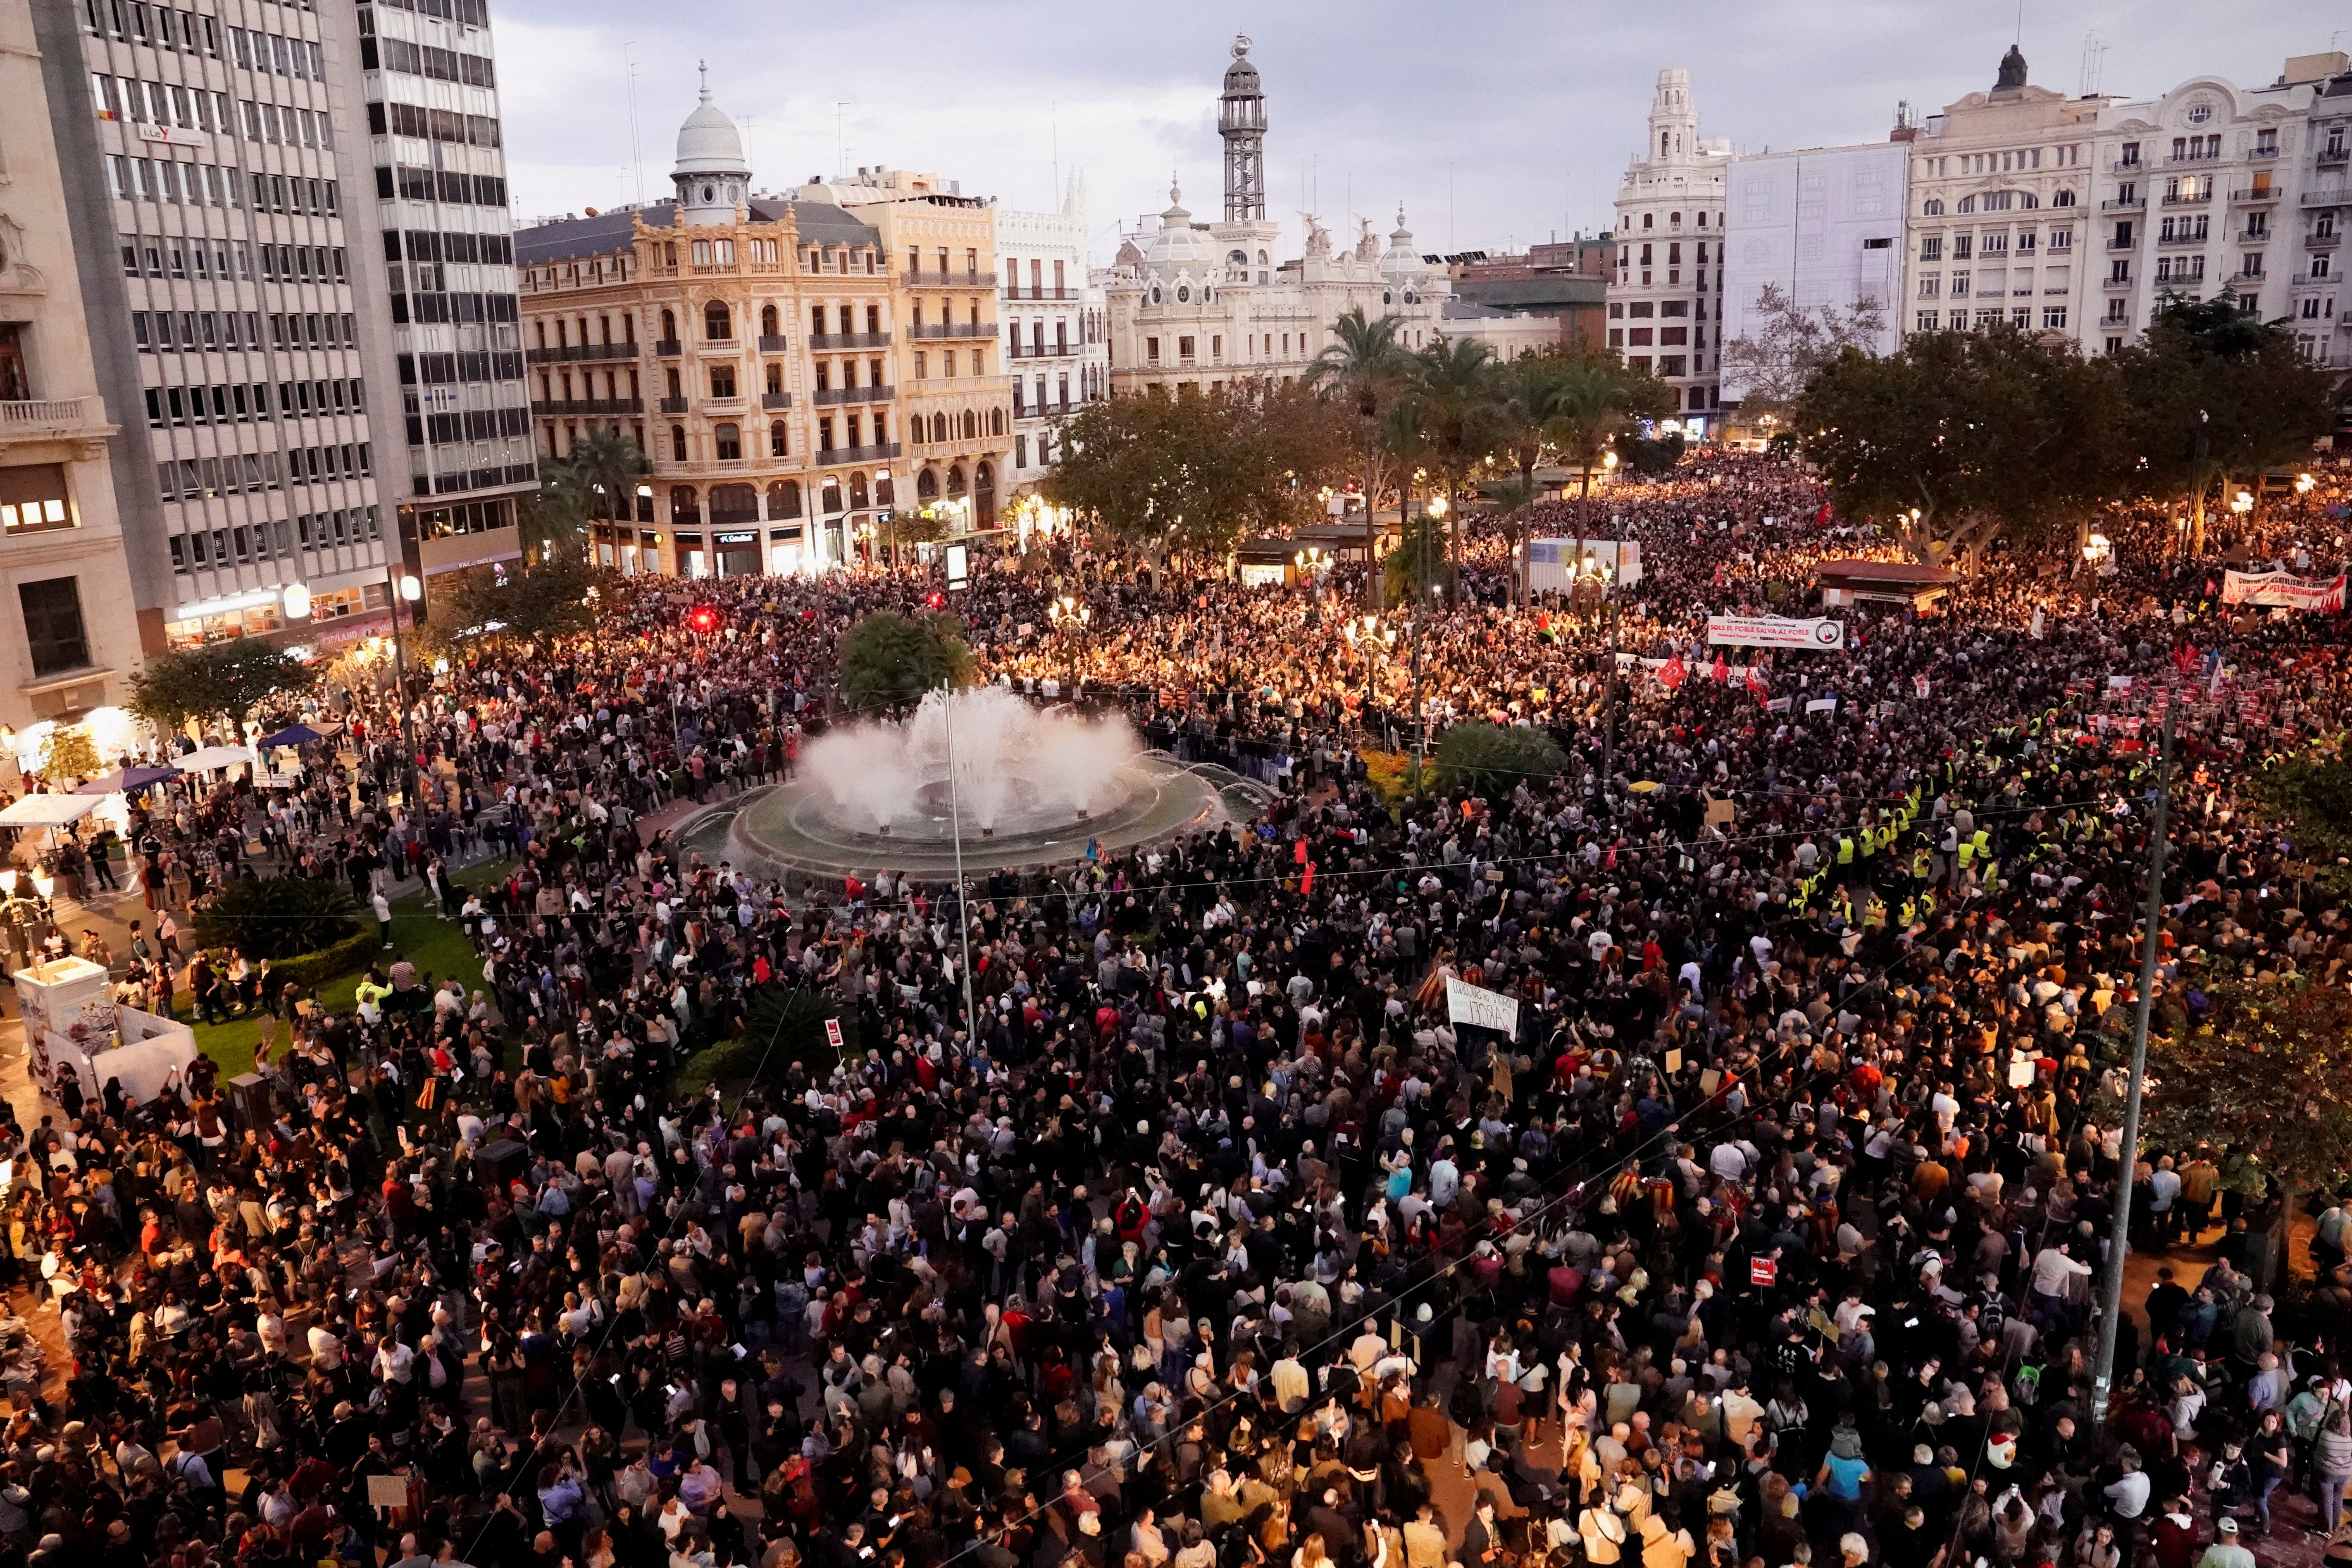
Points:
[(1771, 1234)]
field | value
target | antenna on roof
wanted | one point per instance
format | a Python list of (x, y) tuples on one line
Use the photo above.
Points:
[(636, 149)]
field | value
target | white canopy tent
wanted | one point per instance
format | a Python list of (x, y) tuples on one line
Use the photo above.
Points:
[(211, 759), (49, 810)]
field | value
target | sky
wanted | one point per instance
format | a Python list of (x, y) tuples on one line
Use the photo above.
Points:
[(1493, 122)]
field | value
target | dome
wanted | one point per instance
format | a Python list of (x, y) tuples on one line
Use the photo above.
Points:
[(1402, 256), (708, 143), (1178, 243), (1240, 77)]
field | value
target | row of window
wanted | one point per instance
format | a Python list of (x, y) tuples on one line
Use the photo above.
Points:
[(440, 185), (157, 27), (1931, 247), (1022, 406), (274, 54), (228, 261), (159, 103), (283, 125), (1932, 284), (1668, 337), (462, 308), (209, 184), (1640, 309), (231, 473), (2053, 318), (191, 330), (472, 13), (278, 538), (433, 124), (434, 245), (460, 369), (425, 60), (2017, 161), (469, 424), (241, 402)]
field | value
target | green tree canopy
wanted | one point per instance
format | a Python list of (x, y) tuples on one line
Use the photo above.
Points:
[(1497, 758), (2264, 1074), (223, 679), (1976, 432), (1418, 566), (889, 660), (532, 602), (1595, 399), (1362, 373)]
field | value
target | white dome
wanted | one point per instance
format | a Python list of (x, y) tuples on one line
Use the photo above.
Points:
[(1178, 244), (708, 143)]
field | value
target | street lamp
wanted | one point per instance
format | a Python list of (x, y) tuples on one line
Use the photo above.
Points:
[(295, 601), (404, 585), (1068, 614)]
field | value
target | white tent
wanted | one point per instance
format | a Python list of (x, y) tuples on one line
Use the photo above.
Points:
[(49, 810), (212, 758)]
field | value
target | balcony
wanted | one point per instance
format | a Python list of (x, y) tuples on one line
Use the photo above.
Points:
[(2123, 244), (2253, 195), (819, 342), (1032, 350), (953, 329), (833, 396), (2329, 196), (833, 457), (2114, 282), (2321, 241), (1038, 291), (673, 406), (771, 342), (2262, 152), (562, 407), (2124, 204), (919, 279), (2175, 199), (40, 418), (718, 345), (573, 352), (774, 400), (2178, 159), (2181, 239), (2334, 157), (2254, 236), (2125, 166), (668, 348)]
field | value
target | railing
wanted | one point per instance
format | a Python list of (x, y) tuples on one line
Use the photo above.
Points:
[(2254, 237), (1039, 291), (2114, 282), (2179, 158), (2255, 193), (673, 406), (2124, 165), (771, 342), (2181, 239), (572, 405), (2123, 244), (818, 341), (22, 417), (832, 456), (2321, 241), (2262, 152), (2329, 196), (2123, 204), (1031, 350), (952, 329), (569, 351), (918, 278), (775, 400), (2329, 156), (833, 396), (668, 348), (2180, 199), (728, 345)]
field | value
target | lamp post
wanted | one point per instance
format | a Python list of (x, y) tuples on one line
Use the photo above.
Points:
[(1068, 613), (404, 585), (1436, 509)]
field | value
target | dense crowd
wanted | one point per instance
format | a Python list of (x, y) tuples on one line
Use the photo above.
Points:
[(1769, 1234)]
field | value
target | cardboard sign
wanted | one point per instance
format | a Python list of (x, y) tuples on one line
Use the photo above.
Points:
[(1486, 1009), (833, 1033)]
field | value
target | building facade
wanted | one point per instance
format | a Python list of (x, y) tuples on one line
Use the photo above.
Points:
[(448, 237), (1824, 225), (63, 580), (2322, 306), (771, 357), (214, 155), (1198, 304), (1053, 313), (1665, 303)]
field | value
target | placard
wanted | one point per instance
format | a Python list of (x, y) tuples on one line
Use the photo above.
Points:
[(833, 1033), (1820, 633), (1486, 1009)]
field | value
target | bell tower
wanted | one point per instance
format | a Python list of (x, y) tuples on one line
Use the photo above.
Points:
[(1241, 121)]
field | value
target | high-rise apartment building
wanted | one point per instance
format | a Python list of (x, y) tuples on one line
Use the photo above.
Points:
[(67, 646), (430, 82), (1665, 303), (214, 155), (1055, 346)]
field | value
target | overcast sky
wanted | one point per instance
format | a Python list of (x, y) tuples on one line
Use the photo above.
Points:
[(1496, 122)]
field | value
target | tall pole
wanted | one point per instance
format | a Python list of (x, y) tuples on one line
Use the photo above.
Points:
[(400, 687), (2127, 1152), (955, 826)]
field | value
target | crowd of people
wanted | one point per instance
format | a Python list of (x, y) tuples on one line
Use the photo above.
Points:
[(1769, 1234)]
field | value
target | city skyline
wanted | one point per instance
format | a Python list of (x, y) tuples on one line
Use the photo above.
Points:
[(1334, 146)]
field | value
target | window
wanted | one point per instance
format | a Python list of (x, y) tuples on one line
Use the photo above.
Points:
[(1184, 347), (722, 381), (716, 324), (730, 441), (1932, 249), (2053, 318), (779, 440), (33, 497), (1925, 321), (677, 442), (1932, 207), (53, 628)]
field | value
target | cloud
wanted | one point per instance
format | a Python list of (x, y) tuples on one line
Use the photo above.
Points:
[(1494, 123)]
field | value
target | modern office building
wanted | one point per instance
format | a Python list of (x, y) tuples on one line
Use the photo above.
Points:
[(218, 191)]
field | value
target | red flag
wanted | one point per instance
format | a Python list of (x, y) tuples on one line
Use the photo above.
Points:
[(1675, 673), (1306, 881), (1756, 682), (1721, 672), (1299, 848)]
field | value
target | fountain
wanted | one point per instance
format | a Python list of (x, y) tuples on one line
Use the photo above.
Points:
[(1027, 786)]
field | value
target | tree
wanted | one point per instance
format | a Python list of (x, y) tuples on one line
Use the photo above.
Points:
[(888, 660), (1959, 436), (1495, 758), (537, 600), (227, 679), (1363, 371), (554, 520), (2211, 390), (68, 753), (1595, 400), (1790, 343), (2264, 1072), (1418, 566), (1200, 471), (1648, 456), (610, 464)]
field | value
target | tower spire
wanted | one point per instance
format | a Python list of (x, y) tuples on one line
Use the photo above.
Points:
[(1241, 121)]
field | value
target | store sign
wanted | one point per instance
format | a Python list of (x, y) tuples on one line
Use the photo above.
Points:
[(2281, 590), (1821, 634), (173, 136), (738, 539)]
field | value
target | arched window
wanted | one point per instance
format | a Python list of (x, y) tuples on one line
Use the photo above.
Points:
[(996, 421), (2063, 199), (780, 444), (677, 442), (783, 499), (768, 323), (858, 498), (970, 425), (684, 512), (927, 486), (1932, 207), (939, 427), (832, 496), (669, 326), (730, 441), (1648, 219), (886, 491), (984, 496), (1675, 217), (955, 480), (716, 325), (734, 503)]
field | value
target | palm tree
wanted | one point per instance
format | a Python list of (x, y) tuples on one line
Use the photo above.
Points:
[(557, 516), (1455, 385), (610, 464), (1365, 368), (1525, 430), (1595, 399)]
